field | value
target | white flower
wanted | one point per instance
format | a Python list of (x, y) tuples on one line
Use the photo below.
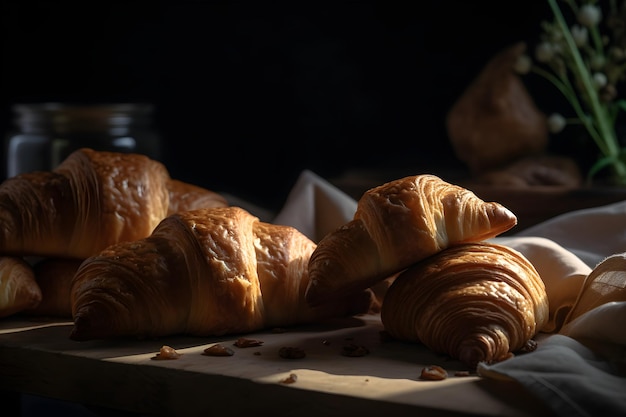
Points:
[(589, 15), (580, 35), (523, 64), (587, 68), (556, 123), (544, 51), (599, 80)]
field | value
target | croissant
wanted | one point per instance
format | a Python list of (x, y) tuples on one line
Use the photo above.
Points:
[(210, 271), (185, 196), (54, 278), (91, 200), (396, 225), (18, 288), (476, 302)]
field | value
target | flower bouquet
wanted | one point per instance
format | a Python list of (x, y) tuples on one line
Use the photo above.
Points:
[(586, 62)]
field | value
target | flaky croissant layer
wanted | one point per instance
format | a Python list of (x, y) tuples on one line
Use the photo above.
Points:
[(476, 302)]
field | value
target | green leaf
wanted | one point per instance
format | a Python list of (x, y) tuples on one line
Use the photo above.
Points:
[(607, 161), (598, 166)]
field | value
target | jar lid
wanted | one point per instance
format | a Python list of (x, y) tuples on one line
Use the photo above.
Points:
[(63, 117)]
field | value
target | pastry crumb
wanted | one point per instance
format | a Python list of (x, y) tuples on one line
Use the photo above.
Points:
[(243, 342), (433, 373), (218, 350), (290, 379), (167, 352)]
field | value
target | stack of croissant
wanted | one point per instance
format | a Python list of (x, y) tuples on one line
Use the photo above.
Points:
[(50, 221), (126, 251), (447, 288)]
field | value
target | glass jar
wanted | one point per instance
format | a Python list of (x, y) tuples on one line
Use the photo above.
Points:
[(46, 133)]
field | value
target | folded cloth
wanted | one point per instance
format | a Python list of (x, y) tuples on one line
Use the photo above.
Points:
[(605, 284), (315, 207), (581, 371), (603, 328), (591, 234), (568, 376)]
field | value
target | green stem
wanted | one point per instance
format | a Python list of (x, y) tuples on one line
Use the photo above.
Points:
[(606, 140), (567, 90)]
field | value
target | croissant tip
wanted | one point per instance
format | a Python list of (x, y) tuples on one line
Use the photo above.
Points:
[(77, 336), (471, 356), (502, 219), (509, 214), (77, 333), (85, 328)]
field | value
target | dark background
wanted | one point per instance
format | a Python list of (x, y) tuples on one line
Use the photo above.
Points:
[(249, 93)]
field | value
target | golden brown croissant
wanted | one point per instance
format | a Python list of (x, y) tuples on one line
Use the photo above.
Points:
[(395, 225), (18, 288), (210, 271), (91, 200), (54, 277), (476, 302), (185, 196)]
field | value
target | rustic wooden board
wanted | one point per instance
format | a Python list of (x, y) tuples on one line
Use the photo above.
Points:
[(37, 357)]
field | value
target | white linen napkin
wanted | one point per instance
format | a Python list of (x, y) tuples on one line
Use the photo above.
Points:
[(315, 207), (578, 372), (591, 234)]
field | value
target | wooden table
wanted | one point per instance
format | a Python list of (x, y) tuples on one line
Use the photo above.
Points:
[(37, 357)]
